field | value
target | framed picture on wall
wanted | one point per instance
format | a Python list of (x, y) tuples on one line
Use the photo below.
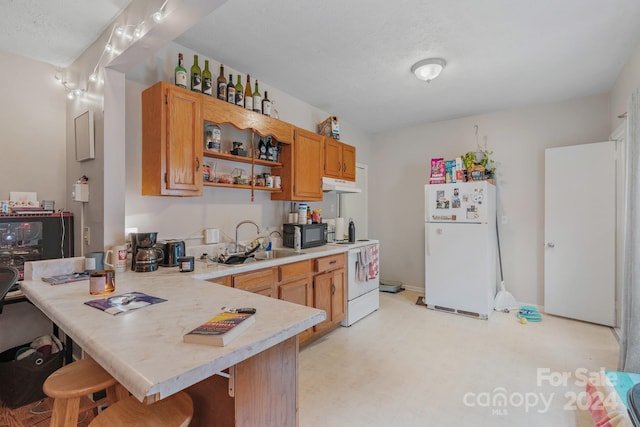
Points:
[(85, 137)]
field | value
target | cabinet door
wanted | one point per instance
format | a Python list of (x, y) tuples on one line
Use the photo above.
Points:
[(338, 296), (332, 158), (322, 297), (184, 141), (348, 162), (307, 165), (298, 292)]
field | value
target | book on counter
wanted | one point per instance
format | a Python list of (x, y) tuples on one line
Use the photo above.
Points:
[(66, 278), (124, 303), (221, 329)]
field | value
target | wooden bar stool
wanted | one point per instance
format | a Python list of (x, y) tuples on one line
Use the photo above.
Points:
[(173, 411), (70, 383)]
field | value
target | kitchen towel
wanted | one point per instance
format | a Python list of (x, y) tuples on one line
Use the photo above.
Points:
[(363, 266), (339, 229), (373, 265)]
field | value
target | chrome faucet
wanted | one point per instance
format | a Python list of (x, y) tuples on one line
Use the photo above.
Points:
[(238, 226)]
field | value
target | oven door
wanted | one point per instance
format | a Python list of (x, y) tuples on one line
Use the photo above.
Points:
[(355, 286)]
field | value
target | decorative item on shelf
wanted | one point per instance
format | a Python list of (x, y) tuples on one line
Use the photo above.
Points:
[(240, 176), (263, 145), (212, 137), (273, 150), (330, 127), (238, 149)]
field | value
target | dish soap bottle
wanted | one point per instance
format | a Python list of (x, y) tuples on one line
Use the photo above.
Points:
[(352, 231), (297, 240)]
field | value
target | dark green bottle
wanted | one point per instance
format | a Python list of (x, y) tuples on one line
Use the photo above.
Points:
[(196, 76), (207, 83)]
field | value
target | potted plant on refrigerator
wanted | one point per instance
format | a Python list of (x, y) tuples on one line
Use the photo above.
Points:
[(478, 164)]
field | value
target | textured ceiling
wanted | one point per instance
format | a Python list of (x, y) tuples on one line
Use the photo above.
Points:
[(353, 58), (54, 31)]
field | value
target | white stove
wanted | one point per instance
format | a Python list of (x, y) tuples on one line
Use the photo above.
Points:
[(363, 280)]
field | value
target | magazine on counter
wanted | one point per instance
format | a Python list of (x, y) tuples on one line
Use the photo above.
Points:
[(124, 303)]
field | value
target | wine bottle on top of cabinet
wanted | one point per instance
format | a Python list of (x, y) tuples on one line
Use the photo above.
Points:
[(231, 90), (221, 84), (239, 92), (196, 75), (257, 100), (266, 105), (248, 96), (180, 73), (207, 83)]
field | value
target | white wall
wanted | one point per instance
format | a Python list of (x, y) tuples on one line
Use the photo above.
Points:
[(518, 139), (33, 159), (33, 129), (628, 81)]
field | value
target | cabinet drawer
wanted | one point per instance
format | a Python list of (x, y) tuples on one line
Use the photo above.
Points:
[(292, 271), (329, 263), (253, 280)]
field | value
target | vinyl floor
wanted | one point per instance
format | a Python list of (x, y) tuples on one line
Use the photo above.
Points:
[(405, 365)]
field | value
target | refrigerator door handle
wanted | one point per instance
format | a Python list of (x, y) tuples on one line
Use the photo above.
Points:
[(428, 238)]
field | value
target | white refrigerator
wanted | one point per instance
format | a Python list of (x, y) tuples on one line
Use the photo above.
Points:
[(461, 248)]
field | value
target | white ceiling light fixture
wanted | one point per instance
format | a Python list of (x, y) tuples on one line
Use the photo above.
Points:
[(428, 69)]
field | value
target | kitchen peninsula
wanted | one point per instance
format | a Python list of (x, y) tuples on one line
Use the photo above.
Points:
[(144, 350)]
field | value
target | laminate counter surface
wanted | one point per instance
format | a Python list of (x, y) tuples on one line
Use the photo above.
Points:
[(143, 349)]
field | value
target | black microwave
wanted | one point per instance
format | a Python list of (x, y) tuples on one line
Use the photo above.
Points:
[(311, 234)]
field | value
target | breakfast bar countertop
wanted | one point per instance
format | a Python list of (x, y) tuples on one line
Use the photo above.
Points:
[(143, 349)]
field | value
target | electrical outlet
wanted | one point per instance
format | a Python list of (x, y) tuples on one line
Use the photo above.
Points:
[(87, 236)]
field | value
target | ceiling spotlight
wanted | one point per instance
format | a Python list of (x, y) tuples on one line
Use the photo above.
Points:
[(70, 95), (428, 69), (159, 15), (119, 30), (108, 47), (93, 77), (137, 33)]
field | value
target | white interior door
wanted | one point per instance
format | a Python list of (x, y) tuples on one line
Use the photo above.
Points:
[(579, 260)]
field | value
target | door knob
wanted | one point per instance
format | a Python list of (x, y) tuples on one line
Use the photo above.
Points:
[(551, 245)]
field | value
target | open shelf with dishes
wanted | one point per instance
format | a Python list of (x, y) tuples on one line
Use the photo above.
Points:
[(231, 148)]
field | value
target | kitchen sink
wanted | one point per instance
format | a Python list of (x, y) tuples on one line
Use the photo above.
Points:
[(276, 254)]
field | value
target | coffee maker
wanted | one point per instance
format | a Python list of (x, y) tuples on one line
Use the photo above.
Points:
[(145, 256)]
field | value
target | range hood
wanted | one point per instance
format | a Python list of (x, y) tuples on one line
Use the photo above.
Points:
[(339, 186)]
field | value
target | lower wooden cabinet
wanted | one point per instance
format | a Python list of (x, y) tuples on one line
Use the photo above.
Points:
[(329, 290), (318, 283), (328, 293), (226, 280), (299, 292), (259, 281)]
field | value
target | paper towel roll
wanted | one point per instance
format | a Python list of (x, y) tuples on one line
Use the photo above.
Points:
[(339, 228)]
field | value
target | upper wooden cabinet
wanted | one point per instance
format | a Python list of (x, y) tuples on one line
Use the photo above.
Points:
[(171, 141), (301, 171), (339, 160)]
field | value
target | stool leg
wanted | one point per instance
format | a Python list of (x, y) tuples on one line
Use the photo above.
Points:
[(65, 412), (116, 392)]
